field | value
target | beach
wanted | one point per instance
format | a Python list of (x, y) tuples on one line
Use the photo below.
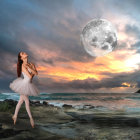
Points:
[(68, 122)]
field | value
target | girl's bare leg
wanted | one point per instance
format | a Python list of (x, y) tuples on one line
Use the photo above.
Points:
[(14, 117), (27, 105)]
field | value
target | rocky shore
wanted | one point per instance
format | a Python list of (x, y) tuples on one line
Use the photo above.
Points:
[(67, 122)]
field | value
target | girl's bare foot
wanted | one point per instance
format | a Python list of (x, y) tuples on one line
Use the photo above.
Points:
[(14, 119), (32, 122)]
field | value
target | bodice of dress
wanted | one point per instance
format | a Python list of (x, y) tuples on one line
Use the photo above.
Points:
[(26, 77)]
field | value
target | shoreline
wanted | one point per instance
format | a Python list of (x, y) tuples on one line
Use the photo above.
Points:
[(55, 104), (105, 101)]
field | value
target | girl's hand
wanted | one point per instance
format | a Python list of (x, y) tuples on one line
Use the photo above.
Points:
[(30, 65)]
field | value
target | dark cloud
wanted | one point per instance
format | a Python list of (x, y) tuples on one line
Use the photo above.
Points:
[(38, 22), (91, 84), (10, 45), (4, 84), (132, 30)]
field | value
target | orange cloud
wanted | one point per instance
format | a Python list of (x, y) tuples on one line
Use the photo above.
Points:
[(129, 84), (81, 71), (126, 84)]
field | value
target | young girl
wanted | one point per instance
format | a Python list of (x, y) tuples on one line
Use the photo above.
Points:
[(24, 86)]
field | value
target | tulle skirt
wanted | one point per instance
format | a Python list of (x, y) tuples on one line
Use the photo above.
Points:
[(23, 86)]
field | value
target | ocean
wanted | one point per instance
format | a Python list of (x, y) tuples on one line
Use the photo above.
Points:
[(111, 101)]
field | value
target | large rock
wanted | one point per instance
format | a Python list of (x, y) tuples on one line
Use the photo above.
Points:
[(45, 103), (138, 91), (11, 102), (67, 106)]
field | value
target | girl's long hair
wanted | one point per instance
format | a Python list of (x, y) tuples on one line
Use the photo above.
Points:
[(19, 65)]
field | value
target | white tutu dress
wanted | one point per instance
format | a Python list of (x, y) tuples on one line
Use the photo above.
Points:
[(24, 86)]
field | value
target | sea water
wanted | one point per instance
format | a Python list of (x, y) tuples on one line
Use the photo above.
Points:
[(125, 101)]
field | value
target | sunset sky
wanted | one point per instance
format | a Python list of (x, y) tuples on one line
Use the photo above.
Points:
[(49, 32)]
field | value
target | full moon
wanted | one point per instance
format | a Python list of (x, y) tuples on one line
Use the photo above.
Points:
[(99, 37)]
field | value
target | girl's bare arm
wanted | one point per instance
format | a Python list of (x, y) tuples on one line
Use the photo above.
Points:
[(32, 68), (24, 69)]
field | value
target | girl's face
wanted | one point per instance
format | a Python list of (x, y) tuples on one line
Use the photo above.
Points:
[(23, 55)]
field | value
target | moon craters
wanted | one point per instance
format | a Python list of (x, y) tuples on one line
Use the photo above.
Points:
[(99, 37)]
